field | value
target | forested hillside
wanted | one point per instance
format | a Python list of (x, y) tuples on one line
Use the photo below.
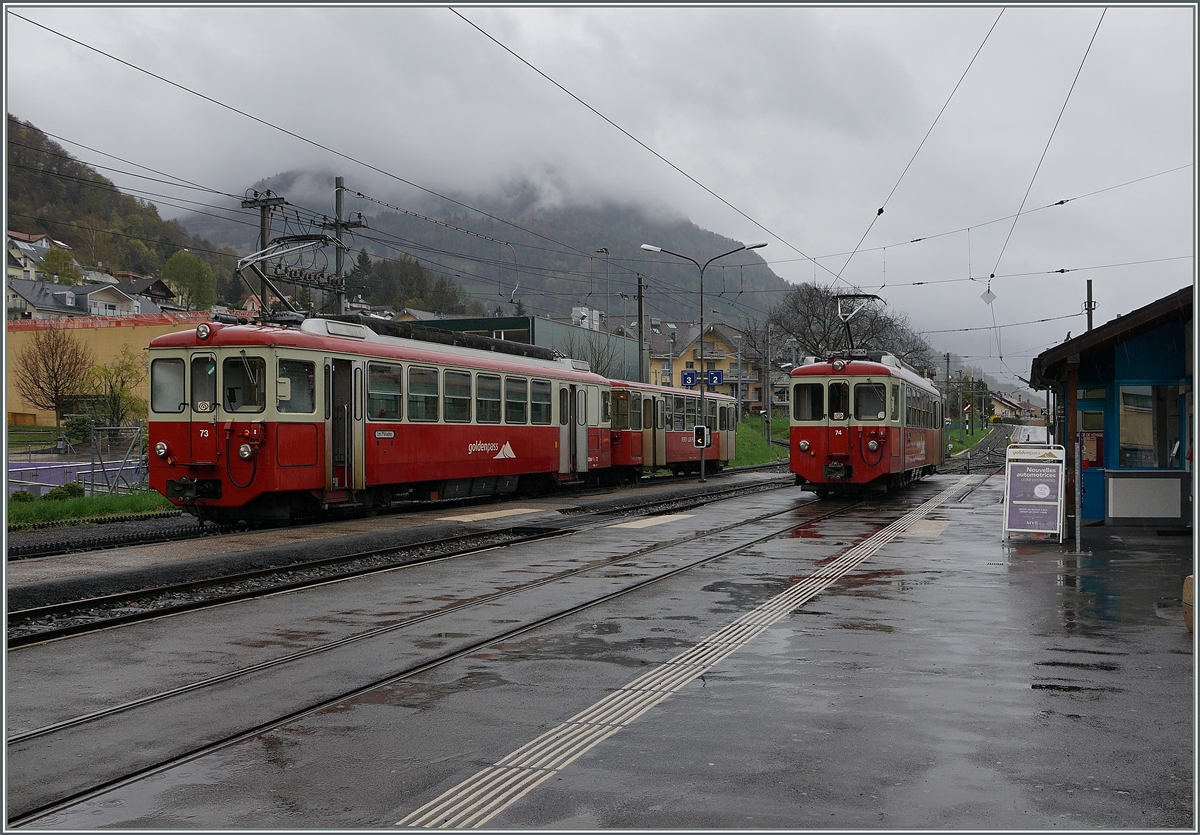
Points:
[(50, 191)]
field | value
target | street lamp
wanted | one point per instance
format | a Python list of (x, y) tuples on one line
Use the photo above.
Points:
[(703, 370)]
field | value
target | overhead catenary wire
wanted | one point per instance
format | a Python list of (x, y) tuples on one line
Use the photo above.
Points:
[(879, 212)]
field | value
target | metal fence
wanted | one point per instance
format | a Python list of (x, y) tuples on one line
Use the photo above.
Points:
[(116, 463)]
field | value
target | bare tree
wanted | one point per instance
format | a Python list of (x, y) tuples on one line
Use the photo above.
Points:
[(598, 351), (809, 314), (53, 366), (112, 386)]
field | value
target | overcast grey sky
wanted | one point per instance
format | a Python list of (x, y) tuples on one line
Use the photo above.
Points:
[(803, 118)]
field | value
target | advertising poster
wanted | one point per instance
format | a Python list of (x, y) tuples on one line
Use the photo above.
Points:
[(1034, 496)]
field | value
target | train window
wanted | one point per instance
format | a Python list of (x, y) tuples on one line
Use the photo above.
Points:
[(564, 406), (168, 394), (605, 406), (487, 399), (204, 383), (422, 394), (516, 398), (870, 401), (648, 412), (539, 402), (385, 391), (244, 382), (677, 415), (839, 400), (808, 401), (895, 402), (660, 422), (689, 413), (581, 406), (456, 397), (301, 387), (723, 422), (635, 411), (711, 420), (620, 410)]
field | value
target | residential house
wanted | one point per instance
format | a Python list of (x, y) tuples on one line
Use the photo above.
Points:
[(675, 348), (25, 254), (44, 300)]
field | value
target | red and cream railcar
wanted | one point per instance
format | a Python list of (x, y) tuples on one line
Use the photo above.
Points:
[(253, 422), (653, 427), (863, 420)]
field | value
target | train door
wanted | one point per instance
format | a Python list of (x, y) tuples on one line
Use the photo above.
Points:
[(204, 409), (897, 428), (344, 424), (650, 453), (579, 427), (566, 428), (839, 417)]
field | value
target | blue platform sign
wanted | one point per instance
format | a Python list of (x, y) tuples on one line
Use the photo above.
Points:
[(687, 379), (715, 378)]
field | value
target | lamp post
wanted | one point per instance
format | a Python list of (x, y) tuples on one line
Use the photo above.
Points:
[(703, 375)]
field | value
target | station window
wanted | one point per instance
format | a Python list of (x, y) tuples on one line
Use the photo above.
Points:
[(422, 394), (385, 391), (1148, 424), (167, 392), (487, 399), (243, 379), (204, 383), (539, 402), (300, 388), (808, 401), (457, 397), (516, 397)]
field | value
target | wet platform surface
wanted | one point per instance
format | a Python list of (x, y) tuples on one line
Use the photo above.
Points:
[(948, 680)]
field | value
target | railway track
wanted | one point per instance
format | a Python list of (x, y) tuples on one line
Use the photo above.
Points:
[(223, 688), (173, 526), (43, 623)]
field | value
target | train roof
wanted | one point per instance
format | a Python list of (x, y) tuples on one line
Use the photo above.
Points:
[(339, 336), (863, 364)]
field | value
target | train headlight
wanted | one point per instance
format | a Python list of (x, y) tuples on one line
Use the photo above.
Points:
[(160, 449), (245, 451), (872, 445), (804, 446), (838, 365), (203, 331)]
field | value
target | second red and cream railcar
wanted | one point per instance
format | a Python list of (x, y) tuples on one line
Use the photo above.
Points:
[(863, 420), (653, 428)]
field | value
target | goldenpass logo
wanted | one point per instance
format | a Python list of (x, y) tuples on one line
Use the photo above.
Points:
[(482, 446)]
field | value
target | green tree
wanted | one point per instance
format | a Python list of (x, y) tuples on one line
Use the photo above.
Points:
[(192, 279), (112, 386), (60, 267)]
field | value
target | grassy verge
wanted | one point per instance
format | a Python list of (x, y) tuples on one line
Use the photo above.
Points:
[(969, 439), (120, 504), (753, 449)]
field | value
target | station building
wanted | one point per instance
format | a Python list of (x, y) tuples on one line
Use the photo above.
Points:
[(1123, 391)]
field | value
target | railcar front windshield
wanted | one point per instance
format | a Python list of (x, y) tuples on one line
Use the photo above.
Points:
[(869, 400), (839, 399), (808, 401)]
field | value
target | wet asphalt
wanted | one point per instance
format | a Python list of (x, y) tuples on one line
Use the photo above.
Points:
[(951, 680)]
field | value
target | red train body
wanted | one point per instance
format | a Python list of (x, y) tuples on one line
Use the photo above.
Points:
[(254, 422), (863, 421)]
